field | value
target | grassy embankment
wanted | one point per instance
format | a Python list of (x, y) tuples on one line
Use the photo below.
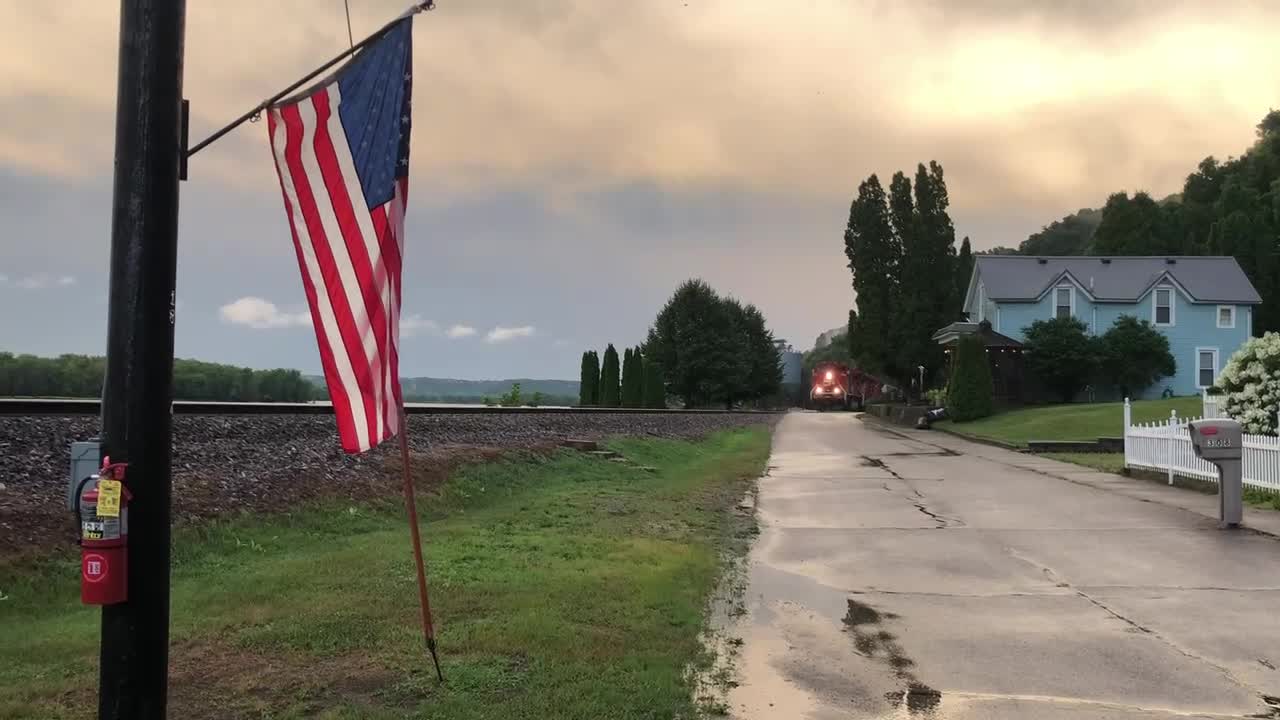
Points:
[(1074, 421), (1086, 421), (564, 586)]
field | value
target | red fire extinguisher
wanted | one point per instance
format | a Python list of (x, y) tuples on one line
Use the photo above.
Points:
[(102, 510)]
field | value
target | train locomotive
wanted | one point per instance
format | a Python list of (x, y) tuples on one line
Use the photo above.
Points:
[(829, 386)]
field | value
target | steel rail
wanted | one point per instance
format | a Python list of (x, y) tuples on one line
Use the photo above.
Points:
[(90, 406)]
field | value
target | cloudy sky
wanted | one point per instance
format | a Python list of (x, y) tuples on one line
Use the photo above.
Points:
[(573, 160)]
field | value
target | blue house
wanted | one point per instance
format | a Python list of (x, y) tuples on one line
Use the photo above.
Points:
[(1204, 305)]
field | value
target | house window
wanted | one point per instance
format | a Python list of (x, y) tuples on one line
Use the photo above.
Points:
[(1062, 301), (1226, 316), (1206, 366), (1164, 306)]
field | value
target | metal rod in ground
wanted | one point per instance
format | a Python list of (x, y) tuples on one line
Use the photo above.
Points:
[(138, 385), (411, 508)]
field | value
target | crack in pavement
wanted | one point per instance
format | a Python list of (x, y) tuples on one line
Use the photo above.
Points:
[(918, 502), (1140, 628)]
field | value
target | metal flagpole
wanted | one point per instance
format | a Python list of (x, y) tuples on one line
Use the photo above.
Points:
[(417, 8), (411, 507)]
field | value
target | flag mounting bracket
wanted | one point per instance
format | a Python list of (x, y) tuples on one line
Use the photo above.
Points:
[(256, 112)]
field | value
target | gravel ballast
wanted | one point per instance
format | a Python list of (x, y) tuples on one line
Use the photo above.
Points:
[(232, 463)]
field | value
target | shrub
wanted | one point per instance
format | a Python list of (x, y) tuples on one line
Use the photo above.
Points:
[(1135, 354), (512, 398), (969, 396), (1061, 355), (1251, 383), (937, 397)]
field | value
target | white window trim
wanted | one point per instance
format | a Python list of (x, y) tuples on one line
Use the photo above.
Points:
[(1196, 365), (1218, 316), (1053, 306), (1173, 306), (982, 303)]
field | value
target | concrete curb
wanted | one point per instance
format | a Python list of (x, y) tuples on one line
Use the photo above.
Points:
[(981, 440)]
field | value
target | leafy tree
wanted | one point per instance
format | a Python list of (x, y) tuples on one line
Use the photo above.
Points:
[(1135, 354), (1130, 226), (512, 398), (874, 254), (969, 393), (999, 250), (764, 364), (1069, 236), (693, 338), (610, 392), (82, 375), (655, 392), (964, 271), (1061, 355)]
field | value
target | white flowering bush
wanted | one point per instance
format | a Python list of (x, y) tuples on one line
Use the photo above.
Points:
[(1251, 383)]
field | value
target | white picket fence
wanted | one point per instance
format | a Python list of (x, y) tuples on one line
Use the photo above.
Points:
[(1165, 446)]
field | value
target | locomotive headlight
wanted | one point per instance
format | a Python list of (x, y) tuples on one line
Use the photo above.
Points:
[(837, 391), (829, 376), (817, 391)]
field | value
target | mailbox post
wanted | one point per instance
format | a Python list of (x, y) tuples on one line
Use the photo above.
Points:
[(1220, 442)]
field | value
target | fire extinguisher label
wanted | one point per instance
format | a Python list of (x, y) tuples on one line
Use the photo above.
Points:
[(109, 498), (95, 568)]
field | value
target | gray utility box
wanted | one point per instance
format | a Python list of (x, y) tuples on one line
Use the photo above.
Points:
[(1221, 442), (86, 459)]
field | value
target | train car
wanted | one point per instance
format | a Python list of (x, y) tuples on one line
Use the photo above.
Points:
[(829, 386)]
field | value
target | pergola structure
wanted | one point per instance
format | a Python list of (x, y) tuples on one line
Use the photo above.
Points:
[(1003, 353)]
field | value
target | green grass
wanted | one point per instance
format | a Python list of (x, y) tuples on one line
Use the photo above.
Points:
[(564, 586), (1107, 462), (1075, 421)]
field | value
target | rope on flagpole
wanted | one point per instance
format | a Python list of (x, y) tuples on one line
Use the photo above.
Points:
[(253, 114), (346, 5)]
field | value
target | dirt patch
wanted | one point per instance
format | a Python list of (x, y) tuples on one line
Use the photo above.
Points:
[(211, 679)]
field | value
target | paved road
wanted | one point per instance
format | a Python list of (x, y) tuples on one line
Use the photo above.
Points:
[(907, 574)]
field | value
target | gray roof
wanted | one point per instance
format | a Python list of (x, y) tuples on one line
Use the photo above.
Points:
[(1117, 279)]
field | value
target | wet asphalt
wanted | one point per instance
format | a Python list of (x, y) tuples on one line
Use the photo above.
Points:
[(907, 574)]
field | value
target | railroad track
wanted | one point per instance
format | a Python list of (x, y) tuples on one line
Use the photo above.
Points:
[(43, 406)]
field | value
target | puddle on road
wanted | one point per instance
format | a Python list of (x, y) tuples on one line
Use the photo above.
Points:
[(872, 640)]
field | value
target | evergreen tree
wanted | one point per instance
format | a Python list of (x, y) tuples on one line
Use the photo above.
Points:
[(586, 379), (632, 378), (593, 377), (874, 253), (655, 391), (969, 393), (637, 359), (609, 377), (627, 379), (964, 272)]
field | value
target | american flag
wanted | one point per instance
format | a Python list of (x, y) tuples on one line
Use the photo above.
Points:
[(342, 154)]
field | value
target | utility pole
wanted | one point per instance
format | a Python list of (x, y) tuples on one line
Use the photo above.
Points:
[(137, 394)]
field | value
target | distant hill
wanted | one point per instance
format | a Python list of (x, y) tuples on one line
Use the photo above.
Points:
[(827, 337), (451, 390)]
